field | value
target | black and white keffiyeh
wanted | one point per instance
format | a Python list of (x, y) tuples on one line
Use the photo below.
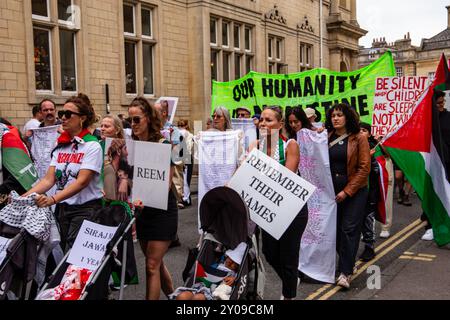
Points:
[(22, 212)]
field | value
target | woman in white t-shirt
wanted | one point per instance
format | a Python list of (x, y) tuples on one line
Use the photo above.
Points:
[(75, 169)]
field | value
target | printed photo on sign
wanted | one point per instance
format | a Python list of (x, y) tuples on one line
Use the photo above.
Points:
[(172, 102), (90, 245), (274, 194), (118, 169), (394, 101)]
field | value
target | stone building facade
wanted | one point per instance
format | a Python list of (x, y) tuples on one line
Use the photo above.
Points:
[(117, 49), (411, 60)]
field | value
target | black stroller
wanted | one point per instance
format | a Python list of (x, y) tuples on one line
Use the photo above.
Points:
[(96, 288), (225, 222), (29, 232), (19, 265)]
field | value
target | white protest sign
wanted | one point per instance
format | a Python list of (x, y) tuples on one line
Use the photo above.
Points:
[(318, 244), (4, 242), (90, 245), (218, 156), (146, 167), (249, 129), (274, 194), (43, 141), (394, 102), (151, 175), (173, 102)]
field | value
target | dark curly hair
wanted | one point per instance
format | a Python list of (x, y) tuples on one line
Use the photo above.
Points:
[(351, 118), (84, 109), (154, 120), (301, 116)]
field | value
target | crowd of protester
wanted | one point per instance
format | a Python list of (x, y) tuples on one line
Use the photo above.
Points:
[(79, 192)]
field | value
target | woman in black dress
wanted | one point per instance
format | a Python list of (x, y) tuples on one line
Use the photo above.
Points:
[(155, 228)]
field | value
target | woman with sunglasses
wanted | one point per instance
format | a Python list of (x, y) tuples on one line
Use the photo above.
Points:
[(75, 168), (282, 254), (221, 119), (156, 228)]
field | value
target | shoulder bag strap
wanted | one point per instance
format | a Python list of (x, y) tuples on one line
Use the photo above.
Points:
[(333, 143)]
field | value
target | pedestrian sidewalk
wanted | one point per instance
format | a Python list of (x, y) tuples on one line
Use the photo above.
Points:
[(420, 273)]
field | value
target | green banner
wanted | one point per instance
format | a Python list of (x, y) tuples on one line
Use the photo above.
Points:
[(318, 88)]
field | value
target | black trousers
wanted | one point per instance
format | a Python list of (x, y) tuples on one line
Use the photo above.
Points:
[(283, 254), (350, 216), (71, 217)]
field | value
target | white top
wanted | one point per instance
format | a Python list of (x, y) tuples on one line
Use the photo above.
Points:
[(31, 124), (69, 160)]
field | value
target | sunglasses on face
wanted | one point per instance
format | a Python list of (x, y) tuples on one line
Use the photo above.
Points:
[(67, 114), (135, 119)]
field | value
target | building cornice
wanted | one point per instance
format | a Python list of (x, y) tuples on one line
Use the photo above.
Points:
[(346, 28)]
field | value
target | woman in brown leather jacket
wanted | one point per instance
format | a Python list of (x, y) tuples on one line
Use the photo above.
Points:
[(350, 167)]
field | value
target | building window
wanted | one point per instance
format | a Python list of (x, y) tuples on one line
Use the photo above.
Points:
[(214, 65), (139, 42), (42, 59), (248, 63), (68, 60), (229, 55), (275, 47), (306, 57), (130, 67), (226, 66), (55, 40), (399, 71), (146, 18), (147, 54), (64, 10), (237, 66), (40, 9), (213, 31), (225, 37), (128, 19), (237, 36), (248, 39)]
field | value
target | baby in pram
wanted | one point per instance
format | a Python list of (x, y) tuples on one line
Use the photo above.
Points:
[(222, 291)]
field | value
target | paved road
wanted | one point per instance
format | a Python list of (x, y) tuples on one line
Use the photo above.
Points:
[(390, 250)]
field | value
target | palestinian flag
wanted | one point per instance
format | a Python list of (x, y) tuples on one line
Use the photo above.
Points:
[(383, 181), (417, 149), (15, 157), (208, 275)]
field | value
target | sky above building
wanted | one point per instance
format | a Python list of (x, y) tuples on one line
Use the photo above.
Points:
[(392, 19)]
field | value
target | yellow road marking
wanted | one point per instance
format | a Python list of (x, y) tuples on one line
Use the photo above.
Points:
[(426, 255), (377, 249), (415, 258), (371, 262), (408, 253), (318, 292)]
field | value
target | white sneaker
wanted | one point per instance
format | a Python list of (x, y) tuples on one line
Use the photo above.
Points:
[(385, 234), (428, 235), (343, 281)]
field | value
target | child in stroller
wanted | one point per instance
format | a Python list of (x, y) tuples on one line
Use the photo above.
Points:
[(209, 290)]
